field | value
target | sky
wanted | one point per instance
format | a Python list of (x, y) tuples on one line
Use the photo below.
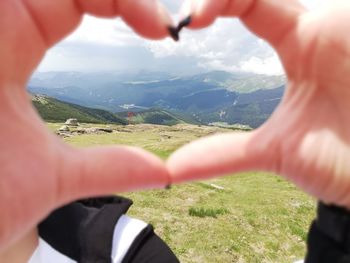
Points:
[(109, 45)]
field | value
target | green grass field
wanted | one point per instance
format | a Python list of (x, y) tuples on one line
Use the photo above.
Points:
[(257, 217)]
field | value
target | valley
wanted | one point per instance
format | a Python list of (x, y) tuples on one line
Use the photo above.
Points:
[(249, 217), (217, 96)]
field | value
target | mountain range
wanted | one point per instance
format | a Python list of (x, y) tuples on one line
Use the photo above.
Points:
[(53, 110), (215, 96)]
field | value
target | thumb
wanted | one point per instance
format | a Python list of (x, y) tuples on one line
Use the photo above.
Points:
[(269, 19), (222, 154), (105, 170)]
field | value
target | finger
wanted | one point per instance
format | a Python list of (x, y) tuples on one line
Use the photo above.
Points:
[(222, 154), (202, 12), (106, 170), (147, 17), (269, 19), (29, 27), (101, 8)]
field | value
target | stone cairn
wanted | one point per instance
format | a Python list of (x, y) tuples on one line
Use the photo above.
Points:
[(72, 123), (72, 127)]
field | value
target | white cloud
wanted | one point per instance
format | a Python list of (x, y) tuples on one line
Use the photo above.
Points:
[(269, 66), (215, 64), (226, 45), (104, 32)]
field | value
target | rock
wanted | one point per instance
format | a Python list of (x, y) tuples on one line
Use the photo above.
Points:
[(107, 130), (72, 122), (166, 136), (122, 129), (64, 134), (64, 128), (217, 186), (92, 130), (97, 130), (79, 131)]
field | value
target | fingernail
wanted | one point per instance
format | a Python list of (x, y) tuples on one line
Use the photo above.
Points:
[(174, 33), (184, 23)]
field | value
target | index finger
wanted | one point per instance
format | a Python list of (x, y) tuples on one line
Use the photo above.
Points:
[(57, 18), (269, 19)]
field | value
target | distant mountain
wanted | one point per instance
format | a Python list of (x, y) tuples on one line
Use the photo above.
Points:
[(51, 109), (241, 82), (59, 79), (251, 109), (117, 96), (216, 96)]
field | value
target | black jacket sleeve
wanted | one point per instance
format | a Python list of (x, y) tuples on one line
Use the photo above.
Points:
[(83, 231), (328, 238)]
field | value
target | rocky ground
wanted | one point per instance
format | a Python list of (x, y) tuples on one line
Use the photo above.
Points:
[(68, 130)]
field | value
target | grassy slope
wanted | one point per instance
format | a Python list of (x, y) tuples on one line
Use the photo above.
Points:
[(266, 218), (254, 83), (153, 116), (54, 110)]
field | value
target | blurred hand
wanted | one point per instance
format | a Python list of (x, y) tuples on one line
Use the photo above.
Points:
[(37, 171), (307, 139)]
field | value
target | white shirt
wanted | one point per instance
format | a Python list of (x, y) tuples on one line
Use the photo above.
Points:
[(125, 232)]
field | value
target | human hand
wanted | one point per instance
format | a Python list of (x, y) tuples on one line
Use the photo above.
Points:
[(307, 139), (39, 172)]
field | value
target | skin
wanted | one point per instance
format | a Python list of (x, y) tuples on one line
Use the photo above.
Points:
[(38, 171), (307, 140)]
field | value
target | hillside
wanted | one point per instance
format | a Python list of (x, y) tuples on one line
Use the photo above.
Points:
[(216, 96), (115, 92), (53, 110), (251, 109), (152, 116), (252, 217)]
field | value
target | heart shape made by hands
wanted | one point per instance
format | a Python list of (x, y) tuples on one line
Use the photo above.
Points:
[(306, 140)]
